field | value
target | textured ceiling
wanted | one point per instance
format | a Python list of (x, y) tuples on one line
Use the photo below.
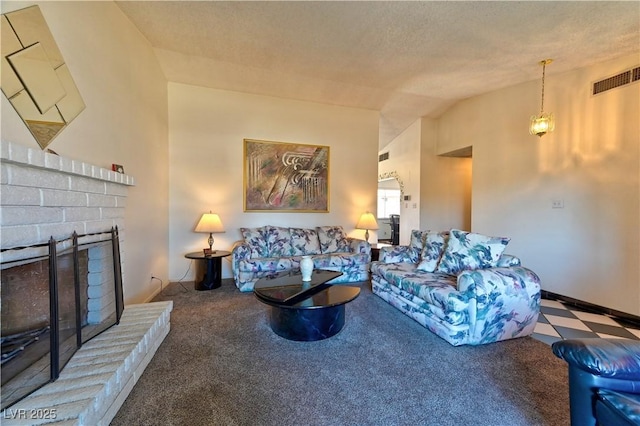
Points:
[(405, 59)]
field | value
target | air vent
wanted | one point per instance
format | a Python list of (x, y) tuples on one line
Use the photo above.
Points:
[(618, 80), (383, 157)]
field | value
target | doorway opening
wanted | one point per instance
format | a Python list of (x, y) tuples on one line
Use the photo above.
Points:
[(388, 216)]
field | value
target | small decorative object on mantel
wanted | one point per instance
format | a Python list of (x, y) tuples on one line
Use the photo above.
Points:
[(306, 268), (117, 168)]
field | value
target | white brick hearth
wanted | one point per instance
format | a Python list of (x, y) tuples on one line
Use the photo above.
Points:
[(98, 378)]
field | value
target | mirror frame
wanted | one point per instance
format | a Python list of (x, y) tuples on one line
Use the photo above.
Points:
[(392, 175)]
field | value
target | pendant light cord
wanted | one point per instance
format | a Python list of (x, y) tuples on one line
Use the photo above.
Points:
[(544, 65)]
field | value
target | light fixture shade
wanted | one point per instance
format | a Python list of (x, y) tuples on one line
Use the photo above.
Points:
[(367, 221), (541, 124), (211, 223)]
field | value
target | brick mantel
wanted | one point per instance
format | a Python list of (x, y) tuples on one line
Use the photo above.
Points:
[(44, 195)]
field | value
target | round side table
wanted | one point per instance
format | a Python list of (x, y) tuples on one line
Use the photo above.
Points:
[(209, 275)]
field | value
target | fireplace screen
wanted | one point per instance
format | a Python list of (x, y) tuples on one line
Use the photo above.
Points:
[(53, 303)]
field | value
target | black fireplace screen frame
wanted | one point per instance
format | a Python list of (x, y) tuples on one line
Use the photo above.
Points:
[(13, 392)]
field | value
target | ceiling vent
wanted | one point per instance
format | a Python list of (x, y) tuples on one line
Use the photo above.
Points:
[(624, 78), (383, 157)]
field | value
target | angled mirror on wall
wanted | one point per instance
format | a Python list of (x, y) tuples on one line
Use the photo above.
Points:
[(35, 79)]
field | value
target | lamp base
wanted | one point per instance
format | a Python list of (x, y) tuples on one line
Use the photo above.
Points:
[(209, 251)]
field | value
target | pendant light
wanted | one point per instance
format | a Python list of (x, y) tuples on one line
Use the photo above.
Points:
[(543, 123)]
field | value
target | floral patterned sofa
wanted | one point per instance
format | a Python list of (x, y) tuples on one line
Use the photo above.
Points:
[(270, 249), (460, 286)]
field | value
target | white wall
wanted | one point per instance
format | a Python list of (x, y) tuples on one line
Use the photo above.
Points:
[(445, 185), (404, 159), (206, 132), (590, 249), (440, 187), (125, 122)]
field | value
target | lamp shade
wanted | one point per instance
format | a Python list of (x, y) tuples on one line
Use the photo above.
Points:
[(367, 221), (211, 223)]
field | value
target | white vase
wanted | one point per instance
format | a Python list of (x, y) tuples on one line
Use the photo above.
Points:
[(306, 268)]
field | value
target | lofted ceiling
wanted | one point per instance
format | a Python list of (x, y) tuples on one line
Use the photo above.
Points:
[(405, 59)]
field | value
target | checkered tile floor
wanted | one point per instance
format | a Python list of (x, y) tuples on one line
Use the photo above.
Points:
[(559, 321)]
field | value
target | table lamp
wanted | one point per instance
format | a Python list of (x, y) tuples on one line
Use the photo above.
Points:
[(367, 221), (211, 223)]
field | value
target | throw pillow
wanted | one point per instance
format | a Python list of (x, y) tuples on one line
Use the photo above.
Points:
[(332, 239), (254, 237), (434, 245), (278, 241), (304, 241), (416, 244), (467, 250), (508, 260)]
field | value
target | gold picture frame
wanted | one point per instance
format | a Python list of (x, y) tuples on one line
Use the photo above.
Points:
[(285, 177)]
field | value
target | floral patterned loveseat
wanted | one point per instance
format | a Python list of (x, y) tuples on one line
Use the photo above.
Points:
[(270, 249), (460, 286)]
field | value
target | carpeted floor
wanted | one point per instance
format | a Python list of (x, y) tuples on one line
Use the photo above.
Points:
[(222, 365)]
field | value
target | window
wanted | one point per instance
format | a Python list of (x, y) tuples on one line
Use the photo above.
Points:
[(388, 202)]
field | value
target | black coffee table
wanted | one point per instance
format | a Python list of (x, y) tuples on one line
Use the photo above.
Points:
[(305, 311)]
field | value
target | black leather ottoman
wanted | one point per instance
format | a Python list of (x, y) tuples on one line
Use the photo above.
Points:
[(604, 380)]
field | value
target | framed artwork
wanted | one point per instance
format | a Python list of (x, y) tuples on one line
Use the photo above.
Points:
[(285, 177)]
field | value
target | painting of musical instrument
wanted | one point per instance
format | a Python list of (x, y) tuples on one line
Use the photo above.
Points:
[(280, 176)]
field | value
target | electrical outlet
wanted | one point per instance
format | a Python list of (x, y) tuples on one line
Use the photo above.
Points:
[(557, 204)]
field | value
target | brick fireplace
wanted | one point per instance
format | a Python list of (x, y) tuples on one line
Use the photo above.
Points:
[(47, 197)]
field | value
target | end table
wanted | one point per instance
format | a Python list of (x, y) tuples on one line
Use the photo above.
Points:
[(211, 276), (375, 250)]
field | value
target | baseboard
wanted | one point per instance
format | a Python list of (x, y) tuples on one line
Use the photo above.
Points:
[(152, 296), (597, 309)]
